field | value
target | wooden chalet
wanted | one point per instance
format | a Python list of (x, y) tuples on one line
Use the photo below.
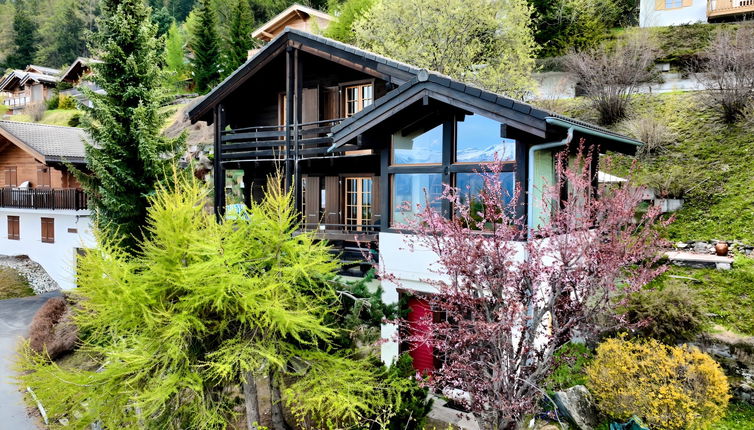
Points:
[(295, 16), (32, 85), (359, 135)]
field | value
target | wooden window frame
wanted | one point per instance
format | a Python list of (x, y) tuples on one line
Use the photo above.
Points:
[(344, 87), (663, 4), (48, 229), (14, 227), (360, 222)]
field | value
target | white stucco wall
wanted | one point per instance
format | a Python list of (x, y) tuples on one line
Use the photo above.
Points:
[(411, 270), (649, 17), (58, 258)]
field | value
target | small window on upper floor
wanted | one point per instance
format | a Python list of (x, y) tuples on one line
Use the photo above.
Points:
[(671, 4), (358, 97)]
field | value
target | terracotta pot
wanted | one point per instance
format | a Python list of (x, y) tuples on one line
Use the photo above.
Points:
[(721, 248)]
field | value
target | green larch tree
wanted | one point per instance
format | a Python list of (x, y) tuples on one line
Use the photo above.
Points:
[(203, 43), (484, 42), (204, 309), (62, 36), (130, 154), (175, 56)]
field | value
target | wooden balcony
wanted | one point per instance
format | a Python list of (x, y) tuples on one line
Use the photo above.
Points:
[(344, 232), (722, 8), (268, 143), (44, 198)]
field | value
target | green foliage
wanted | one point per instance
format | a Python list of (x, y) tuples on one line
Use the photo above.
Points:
[(53, 102), (740, 416), (203, 303), (162, 19), (239, 40), (671, 315), (681, 45), (562, 25), (203, 43), (409, 399), (572, 359), (74, 120), (671, 388), (347, 13), (62, 35), (176, 66), (725, 294), (25, 36), (66, 102), (125, 121), (486, 42), (13, 285)]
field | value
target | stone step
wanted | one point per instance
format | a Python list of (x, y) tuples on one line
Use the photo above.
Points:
[(699, 261)]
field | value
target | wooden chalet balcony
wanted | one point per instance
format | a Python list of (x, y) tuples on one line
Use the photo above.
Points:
[(344, 232), (268, 143), (44, 198), (719, 8)]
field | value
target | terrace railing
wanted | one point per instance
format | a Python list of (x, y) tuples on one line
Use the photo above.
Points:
[(269, 142), (44, 198), (729, 7)]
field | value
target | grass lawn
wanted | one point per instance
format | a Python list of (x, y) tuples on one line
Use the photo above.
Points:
[(51, 117), (740, 417), (728, 294), (13, 285)]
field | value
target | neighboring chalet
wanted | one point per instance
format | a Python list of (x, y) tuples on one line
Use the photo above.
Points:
[(359, 135), (660, 13), (297, 17), (76, 76), (43, 209), (21, 88)]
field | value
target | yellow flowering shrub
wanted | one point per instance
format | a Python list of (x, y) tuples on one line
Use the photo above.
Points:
[(674, 388)]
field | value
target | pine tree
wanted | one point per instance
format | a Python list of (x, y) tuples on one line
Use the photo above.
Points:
[(239, 38), (130, 155), (62, 36), (24, 38), (204, 45)]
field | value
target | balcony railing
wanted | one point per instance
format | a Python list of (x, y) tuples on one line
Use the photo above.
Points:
[(43, 198), (16, 102), (267, 143), (729, 7)]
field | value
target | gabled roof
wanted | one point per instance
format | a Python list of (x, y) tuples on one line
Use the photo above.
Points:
[(413, 84), (8, 79), (293, 12), (20, 77), (42, 70), (48, 143), (39, 78), (382, 67), (72, 73)]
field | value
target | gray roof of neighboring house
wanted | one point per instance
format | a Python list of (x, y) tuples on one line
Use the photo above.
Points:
[(43, 69), (51, 142)]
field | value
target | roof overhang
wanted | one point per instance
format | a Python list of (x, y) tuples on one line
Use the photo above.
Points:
[(377, 66), (293, 12), (23, 145)]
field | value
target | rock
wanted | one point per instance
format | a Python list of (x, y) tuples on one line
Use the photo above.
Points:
[(735, 354), (39, 280), (681, 245), (702, 247), (576, 405)]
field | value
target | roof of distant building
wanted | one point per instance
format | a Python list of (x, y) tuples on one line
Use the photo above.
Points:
[(49, 143)]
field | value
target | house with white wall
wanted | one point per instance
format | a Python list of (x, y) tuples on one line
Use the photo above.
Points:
[(23, 88), (661, 13), (43, 210), (363, 140)]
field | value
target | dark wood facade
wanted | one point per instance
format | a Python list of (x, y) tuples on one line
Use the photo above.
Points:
[(340, 139)]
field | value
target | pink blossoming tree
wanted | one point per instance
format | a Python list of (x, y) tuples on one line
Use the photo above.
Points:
[(511, 296)]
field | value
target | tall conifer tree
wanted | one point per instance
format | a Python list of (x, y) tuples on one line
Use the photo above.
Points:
[(24, 38), (62, 36), (206, 50), (239, 37), (130, 155)]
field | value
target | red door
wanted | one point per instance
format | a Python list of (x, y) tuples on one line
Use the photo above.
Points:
[(418, 323)]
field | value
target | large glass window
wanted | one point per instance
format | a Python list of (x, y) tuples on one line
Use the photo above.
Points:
[(410, 193), (470, 186), (478, 140), (418, 147)]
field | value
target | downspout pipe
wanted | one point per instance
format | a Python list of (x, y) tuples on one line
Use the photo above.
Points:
[(530, 181)]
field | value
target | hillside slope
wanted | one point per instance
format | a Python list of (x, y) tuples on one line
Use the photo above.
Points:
[(711, 164)]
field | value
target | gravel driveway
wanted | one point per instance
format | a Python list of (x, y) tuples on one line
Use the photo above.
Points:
[(15, 317)]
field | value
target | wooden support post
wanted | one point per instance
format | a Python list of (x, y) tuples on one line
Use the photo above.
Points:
[(298, 119), (218, 171), (289, 103)]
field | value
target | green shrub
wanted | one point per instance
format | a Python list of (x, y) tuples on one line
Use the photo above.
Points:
[(75, 120), (53, 102), (670, 315), (408, 398), (67, 102), (572, 360), (670, 388)]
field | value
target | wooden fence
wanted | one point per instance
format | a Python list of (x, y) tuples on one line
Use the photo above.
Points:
[(43, 198)]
